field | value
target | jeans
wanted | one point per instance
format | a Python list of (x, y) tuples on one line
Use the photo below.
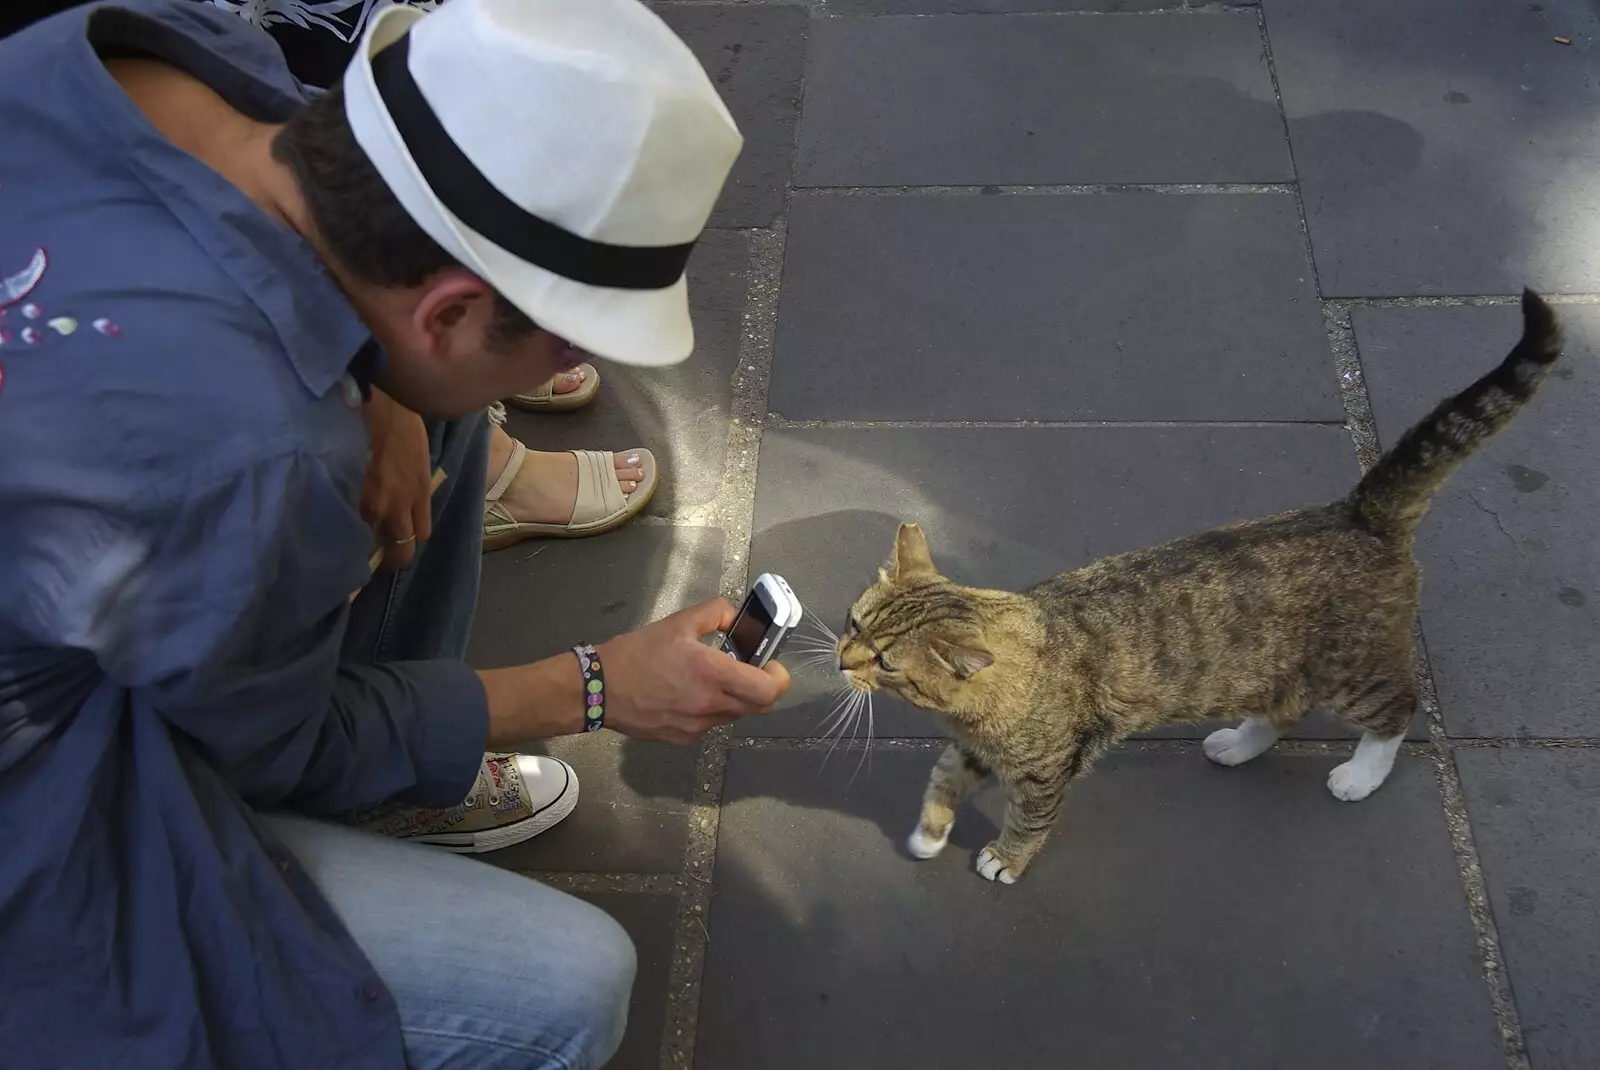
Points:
[(425, 610), (491, 970)]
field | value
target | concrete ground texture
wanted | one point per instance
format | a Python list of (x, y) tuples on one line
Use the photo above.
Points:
[(1058, 278)]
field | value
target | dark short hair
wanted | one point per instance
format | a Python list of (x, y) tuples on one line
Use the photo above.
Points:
[(361, 222)]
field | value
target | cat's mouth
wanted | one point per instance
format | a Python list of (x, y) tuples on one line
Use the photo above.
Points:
[(859, 681)]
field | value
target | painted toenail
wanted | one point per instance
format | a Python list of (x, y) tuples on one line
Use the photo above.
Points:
[(633, 460)]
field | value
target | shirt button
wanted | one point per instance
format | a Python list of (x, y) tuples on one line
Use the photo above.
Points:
[(370, 991)]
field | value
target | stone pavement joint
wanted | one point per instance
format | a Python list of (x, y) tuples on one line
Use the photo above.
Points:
[(629, 883), (1168, 189), (1520, 743), (1454, 802), (776, 421), (1459, 300), (1352, 384), (735, 508), (1294, 748)]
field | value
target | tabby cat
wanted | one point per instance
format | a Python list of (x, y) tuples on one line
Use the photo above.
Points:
[(1270, 618)]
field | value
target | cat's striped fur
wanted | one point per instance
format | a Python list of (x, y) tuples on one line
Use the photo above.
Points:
[(1266, 619)]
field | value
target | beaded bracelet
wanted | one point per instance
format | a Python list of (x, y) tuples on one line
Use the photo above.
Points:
[(594, 687)]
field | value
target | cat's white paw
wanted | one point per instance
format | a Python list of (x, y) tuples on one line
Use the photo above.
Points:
[(1235, 746), (991, 868), (1366, 770), (921, 845), (1352, 783)]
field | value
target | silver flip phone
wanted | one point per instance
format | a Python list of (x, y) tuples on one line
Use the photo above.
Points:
[(769, 611)]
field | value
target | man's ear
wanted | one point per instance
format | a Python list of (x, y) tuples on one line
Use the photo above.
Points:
[(445, 300), (910, 559), (964, 655)]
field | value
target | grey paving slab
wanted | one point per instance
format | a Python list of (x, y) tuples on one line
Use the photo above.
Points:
[(679, 413), (1511, 593), (1108, 307), (1534, 812), (989, 7), (1007, 507), (1444, 146), (756, 56), (542, 596), (650, 920), (1183, 916), (1039, 99), (537, 599)]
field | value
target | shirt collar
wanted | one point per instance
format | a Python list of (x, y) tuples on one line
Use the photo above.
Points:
[(276, 268)]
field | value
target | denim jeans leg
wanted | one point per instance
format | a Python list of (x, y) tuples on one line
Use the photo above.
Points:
[(491, 970), (425, 609)]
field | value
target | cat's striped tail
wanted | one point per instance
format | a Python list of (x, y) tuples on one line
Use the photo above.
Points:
[(1394, 496)]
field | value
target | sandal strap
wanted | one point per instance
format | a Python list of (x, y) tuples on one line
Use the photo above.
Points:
[(496, 515), (599, 491), (509, 472), (543, 392)]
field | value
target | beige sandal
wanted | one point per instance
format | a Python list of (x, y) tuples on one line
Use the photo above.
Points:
[(545, 399), (601, 506)]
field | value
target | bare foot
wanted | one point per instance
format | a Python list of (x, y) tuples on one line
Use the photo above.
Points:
[(545, 490)]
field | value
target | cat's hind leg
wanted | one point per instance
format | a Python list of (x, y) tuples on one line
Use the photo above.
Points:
[(1235, 746), (1383, 712), (955, 776)]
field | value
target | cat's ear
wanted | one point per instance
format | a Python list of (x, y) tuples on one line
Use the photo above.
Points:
[(964, 656), (910, 560)]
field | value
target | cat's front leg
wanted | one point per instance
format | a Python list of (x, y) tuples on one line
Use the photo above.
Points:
[(956, 775), (1033, 801)]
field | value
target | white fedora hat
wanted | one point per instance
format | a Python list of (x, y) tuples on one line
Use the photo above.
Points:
[(567, 151)]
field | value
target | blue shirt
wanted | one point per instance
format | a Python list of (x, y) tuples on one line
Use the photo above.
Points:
[(181, 458)]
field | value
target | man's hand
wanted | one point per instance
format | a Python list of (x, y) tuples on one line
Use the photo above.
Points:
[(395, 500), (663, 683)]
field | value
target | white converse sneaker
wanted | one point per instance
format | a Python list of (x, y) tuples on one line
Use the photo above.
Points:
[(516, 797)]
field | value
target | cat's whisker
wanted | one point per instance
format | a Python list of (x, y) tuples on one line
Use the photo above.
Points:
[(843, 698), (817, 623), (840, 712), (866, 753), (850, 713), (808, 643), (856, 707)]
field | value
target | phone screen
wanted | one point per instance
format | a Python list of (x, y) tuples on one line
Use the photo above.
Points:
[(749, 629)]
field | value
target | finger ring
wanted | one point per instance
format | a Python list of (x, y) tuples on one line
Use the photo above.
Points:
[(407, 541)]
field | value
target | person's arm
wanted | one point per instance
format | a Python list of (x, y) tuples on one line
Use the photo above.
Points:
[(662, 683)]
